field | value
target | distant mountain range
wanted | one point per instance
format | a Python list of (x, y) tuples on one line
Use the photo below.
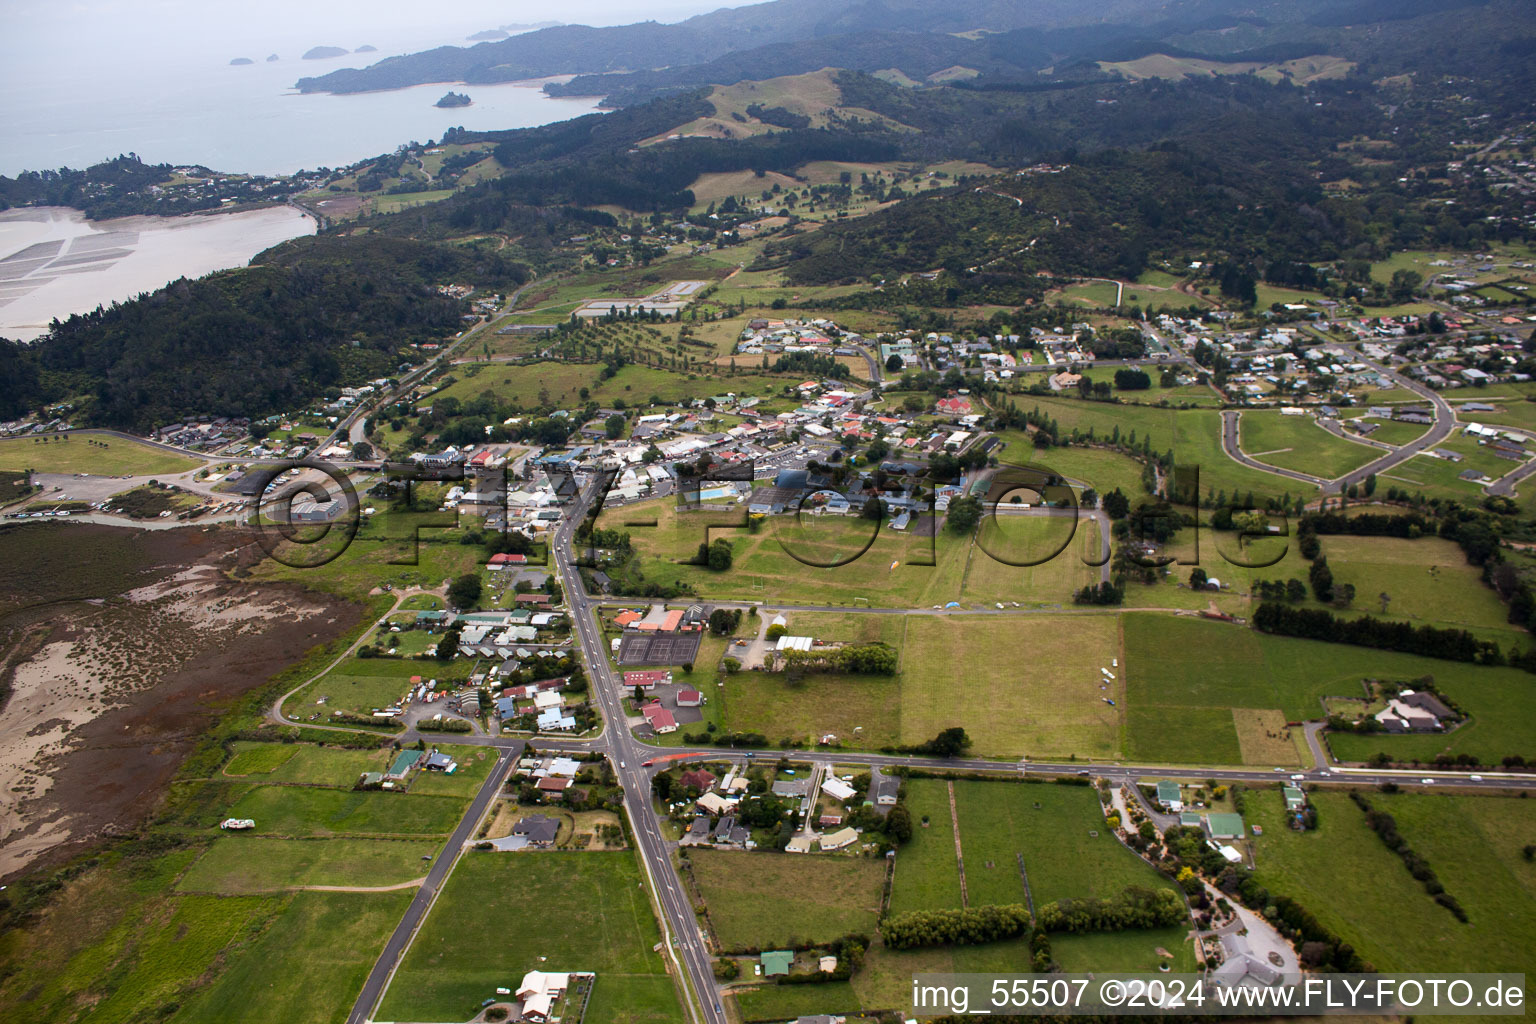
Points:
[(1002, 39)]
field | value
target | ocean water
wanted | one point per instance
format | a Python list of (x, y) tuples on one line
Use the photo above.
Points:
[(53, 262), (245, 119)]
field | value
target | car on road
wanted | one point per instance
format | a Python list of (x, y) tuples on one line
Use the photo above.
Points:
[(1298, 776), (1475, 778), (1279, 769), (645, 764), (622, 765), (1428, 782)]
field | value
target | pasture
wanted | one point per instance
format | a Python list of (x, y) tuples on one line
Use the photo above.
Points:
[(1037, 693), (1355, 885), (302, 812), (1179, 708), (1298, 443), (593, 915), (239, 864), (98, 455), (819, 902)]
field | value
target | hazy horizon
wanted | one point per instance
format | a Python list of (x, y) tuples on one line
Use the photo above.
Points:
[(155, 80)]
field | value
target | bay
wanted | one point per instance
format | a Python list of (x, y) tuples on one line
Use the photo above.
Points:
[(54, 262)]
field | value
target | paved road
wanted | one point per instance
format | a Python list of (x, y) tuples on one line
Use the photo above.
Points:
[(405, 931), (1229, 444), (679, 926), (1445, 422)]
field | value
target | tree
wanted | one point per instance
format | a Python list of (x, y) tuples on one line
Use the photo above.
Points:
[(874, 508), (1321, 578), (1197, 578), (465, 590), (1132, 380), (613, 426), (898, 825), (1116, 504), (720, 555), (894, 364), (952, 742), (964, 515)]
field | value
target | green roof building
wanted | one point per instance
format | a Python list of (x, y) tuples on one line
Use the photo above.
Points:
[(1224, 826), (1168, 795), (1190, 818), (404, 762), (1295, 799), (776, 961)]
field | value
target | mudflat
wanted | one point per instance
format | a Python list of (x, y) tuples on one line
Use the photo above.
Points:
[(117, 649)]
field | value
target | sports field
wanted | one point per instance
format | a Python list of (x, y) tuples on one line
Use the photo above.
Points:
[(251, 864), (501, 915), (1298, 443), (98, 455), (812, 902)]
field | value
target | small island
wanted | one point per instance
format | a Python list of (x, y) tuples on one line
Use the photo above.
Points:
[(454, 99), (366, 48), (324, 52), (271, 58), (238, 61)]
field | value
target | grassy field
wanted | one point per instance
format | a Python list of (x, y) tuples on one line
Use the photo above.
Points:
[(121, 942), (819, 902), (812, 562), (926, 873), (96, 455), (1132, 951), (1297, 442), (952, 672), (1393, 432), (1038, 693), (1194, 435), (1426, 581), (237, 864), (258, 758), (301, 811), (1049, 824), (1099, 468), (1054, 827), (863, 711), (1180, 706), (306, 967), (1348, 878), (592, 914)]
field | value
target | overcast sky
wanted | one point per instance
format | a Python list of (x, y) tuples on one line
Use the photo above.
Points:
[(71, 29)]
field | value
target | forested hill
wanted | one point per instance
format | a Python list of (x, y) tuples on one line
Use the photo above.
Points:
[(630, 63), (310, 315), (575, 49)]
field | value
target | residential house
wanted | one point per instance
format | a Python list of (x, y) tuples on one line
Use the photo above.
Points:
[(776, 962), (845, 836), (538, 993), (1168, 796), (838, 790), (698, 779), (659, 718), (538, 829)]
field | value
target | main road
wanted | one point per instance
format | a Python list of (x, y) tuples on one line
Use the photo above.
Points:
[(684, 942), (680, 927)]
